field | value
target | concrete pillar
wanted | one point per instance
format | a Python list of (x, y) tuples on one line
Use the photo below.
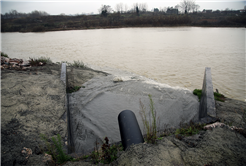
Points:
[(207, 104)]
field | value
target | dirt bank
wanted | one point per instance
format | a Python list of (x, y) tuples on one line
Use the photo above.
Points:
[(218, 146), (32, 102)]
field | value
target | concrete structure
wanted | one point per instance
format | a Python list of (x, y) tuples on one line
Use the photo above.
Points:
[(67, 113), (207, 105), (95, 108)]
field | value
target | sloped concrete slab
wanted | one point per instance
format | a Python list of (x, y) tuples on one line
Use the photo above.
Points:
[(95, 108)]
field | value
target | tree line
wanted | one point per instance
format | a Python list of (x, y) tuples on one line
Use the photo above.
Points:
[(185, 6), (15, 14)]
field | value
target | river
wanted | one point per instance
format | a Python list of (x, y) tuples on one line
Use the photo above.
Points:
[(176, 56)]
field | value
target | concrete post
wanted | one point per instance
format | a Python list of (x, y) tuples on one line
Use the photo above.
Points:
[(69, 129), (207, 105)]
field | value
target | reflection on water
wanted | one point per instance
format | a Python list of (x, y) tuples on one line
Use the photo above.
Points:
[(174, 56)]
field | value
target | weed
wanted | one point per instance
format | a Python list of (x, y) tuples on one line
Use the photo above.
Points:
[(217, 96), (148, 126), (198, 92), (73, 89), (39, 61), (107, 154), (78, 64), (167, 131), (191, 129), (86, 156), (61, 157), (55, 149), (5, 55), (50, 147)]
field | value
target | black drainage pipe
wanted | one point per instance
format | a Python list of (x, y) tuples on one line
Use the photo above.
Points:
[(129, 129)]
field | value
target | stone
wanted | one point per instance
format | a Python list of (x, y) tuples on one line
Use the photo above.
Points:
[(48, 160), (207, 105), (37, 150), (117, 79), (201, 149)]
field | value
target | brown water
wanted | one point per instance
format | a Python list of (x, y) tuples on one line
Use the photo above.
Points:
[(174, 56)]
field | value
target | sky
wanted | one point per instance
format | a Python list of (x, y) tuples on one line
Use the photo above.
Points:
[(56, 7)]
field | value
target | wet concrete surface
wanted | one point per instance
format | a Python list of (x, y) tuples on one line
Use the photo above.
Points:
[(94, 109)]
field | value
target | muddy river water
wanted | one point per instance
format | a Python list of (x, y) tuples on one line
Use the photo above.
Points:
[(176, 56)]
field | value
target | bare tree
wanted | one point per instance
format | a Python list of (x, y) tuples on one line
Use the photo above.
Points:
[(104, 10), (143, 7), (36, 13), (197, 7), (134, 7), (13, 13), (119, 7), (187, 5), (126, 8)]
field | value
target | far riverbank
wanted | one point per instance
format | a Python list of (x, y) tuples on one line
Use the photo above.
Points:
[(120, 20)]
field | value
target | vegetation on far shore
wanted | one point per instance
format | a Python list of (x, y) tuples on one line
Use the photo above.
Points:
[(42, 23)]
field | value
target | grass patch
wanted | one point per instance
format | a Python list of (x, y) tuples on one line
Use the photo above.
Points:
[(40, 61), (55, 149), (74, 89), (217, 96), (189, 129), (77, 64), (4, 55), (150, 127)]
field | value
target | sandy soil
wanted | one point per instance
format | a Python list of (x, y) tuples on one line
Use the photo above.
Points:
[(32, 102)]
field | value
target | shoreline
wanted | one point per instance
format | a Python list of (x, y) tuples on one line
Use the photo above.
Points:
[(118, 27)]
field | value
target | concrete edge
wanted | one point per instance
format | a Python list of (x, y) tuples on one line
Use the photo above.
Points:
[(207, 104), (64, 79)]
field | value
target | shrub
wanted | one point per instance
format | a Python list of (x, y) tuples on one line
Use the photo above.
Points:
[(5, 55), (55, 149), (78, 64), (189, 129), (36, 62), (217, 96), (61, 157), (107, 154), (74, 89)]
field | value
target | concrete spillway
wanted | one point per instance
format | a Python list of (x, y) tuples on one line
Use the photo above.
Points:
[(95, 108)]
